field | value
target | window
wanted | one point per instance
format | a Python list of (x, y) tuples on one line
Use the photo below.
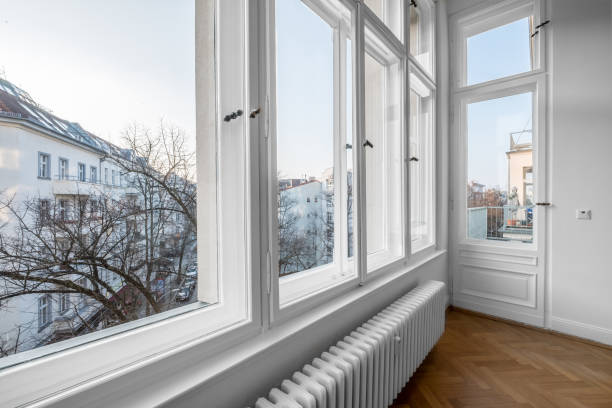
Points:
[(63, 169), (44, 213), (384, 158), (499, 122), (500, 52), (82, 172), (499, 42), (44, 312), (63, 210), (93, 174), (64, 302), (390, 12), (422, 165), (330, 208), (500, 149), (311, 234), (44, 163), (422, 33)]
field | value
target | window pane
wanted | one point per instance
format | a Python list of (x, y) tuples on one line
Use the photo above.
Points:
[(390, 12), (500, 162), (305, 138), (421, 164), (383, 162), (500, 52), (118, 99), (421, 29)]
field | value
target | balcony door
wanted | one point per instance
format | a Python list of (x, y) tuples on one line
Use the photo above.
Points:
[(499, 239)]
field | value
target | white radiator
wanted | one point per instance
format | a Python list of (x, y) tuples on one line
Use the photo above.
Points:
[(369, 367)]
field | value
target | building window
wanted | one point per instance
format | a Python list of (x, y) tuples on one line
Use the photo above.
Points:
[(63, 169), (106, 175), (64, 302), (82, 172), (63, 210), (44, 164), (114, 177), (44, 311), (93, 174), (44, 211)]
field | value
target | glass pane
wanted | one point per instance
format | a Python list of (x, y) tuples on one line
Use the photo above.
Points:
[(421, 28), (500, 52), (349, 147), (421, 164), (500, 201), (305, 138), (383, 162), (117, 99), (390, 12)]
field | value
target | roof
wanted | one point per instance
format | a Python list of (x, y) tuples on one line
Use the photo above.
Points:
[(17, 104)]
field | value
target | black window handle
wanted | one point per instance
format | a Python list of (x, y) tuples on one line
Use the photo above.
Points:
[(233, 115), (414, 159), (368, 144)]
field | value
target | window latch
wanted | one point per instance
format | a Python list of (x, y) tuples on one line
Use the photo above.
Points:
[(349, 146), (543, 204), (414, 159), (413, 3), (536, 28), (368, 144), (233, 115), (254, 113)]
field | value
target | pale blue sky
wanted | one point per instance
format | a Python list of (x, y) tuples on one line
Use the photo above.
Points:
[(494, 54), (304, 90), (103, 63)]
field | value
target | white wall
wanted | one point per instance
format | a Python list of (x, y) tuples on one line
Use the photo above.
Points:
[(581, 155)]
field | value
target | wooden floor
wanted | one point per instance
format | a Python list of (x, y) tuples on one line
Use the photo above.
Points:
[(480, 362)]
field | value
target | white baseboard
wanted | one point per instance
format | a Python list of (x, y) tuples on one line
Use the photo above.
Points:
[(583, 330), (527, 318)]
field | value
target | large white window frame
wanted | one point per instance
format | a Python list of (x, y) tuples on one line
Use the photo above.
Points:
[(464, 25), (368, 31), (243, 297), (470, 23), (229, 256)]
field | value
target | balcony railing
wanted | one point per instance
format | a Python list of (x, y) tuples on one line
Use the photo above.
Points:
[(503, 223)]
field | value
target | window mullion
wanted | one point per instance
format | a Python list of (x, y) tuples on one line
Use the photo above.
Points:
[(339, 176), (358, 140)]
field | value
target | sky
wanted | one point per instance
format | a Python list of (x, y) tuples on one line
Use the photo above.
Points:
[(305, 84), (490, 55), (105, 64)]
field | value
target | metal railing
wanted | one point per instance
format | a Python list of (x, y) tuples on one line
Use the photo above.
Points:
[(503, 223)]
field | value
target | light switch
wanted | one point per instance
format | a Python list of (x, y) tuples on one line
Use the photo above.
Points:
[(583, 214)]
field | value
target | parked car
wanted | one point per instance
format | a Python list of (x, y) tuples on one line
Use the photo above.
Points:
[(190, 282), (183, 294), (192, 270)]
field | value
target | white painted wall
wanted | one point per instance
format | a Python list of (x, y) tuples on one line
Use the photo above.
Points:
[(579, 300), (580, 153)]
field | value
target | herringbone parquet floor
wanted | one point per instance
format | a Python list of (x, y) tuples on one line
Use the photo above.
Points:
[(480, 362)]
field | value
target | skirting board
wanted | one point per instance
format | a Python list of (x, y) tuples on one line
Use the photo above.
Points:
[(585, 331), (530, 319)]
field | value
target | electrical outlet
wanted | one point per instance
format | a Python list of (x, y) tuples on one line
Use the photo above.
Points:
[(583, 214)]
